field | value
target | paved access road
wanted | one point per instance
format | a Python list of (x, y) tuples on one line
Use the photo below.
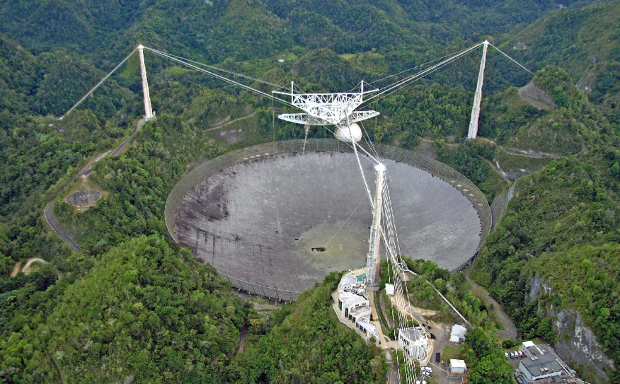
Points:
[(510, 331), (52, 220)]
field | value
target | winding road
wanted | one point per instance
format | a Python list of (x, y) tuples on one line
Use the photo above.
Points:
[(227, 122), (52, 220), (510, 331)]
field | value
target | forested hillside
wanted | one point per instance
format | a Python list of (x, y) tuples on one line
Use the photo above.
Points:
[(143, 310), (556, 249), (585, 42), (307, 344), (135, 305), (246, 30)]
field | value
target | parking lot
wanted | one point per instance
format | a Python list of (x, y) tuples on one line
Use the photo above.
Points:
[(440, 369)]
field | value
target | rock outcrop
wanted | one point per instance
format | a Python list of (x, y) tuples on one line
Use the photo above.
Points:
[(577, 344)]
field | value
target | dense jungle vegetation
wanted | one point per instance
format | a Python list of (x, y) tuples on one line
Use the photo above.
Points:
[(134, 304)]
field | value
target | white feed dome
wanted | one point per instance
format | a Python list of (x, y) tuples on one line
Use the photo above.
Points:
[(350, 134)]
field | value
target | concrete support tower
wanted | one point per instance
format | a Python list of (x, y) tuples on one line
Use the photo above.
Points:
[(475, 111), (148, 111), (373, 260)]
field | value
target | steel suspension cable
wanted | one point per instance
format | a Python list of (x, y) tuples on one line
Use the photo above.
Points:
[(220, 77), (223, 70), (357, 156), (412, 68), (513, 60), (420, 74), (98, 84)]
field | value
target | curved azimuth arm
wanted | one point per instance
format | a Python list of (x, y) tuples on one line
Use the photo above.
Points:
[(307, 119)]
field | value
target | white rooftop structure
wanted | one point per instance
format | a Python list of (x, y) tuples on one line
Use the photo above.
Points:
[(458, 333), (540, 362), (354, 306), (528, 344), (457, 366), (351, 293), (360, 312), (389, 289), (413, 341), (369, 329), (347, 281)]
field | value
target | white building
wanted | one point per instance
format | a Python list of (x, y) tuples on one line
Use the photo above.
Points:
[(414, 341), (457, 367), (351, 294), (349, 301), (540, 362), (367, 328), (389, 289), (458, 333), (353, 305)]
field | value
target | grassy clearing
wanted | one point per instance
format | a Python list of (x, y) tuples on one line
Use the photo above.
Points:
[(449, 352)]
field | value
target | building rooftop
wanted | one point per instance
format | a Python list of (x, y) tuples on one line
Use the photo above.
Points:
[(563, 379), (458, 332), (363, 311), (455, 363), (412, 334), (349, 298), (528, 344), (347, 280), (541, 362), (351, 290), (371, 329)]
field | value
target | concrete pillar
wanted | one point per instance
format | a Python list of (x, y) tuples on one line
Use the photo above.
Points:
[(475, 111), (148, 111)]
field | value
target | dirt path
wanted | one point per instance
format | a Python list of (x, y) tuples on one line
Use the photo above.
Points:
[(222, 125), (530, 153), (53, 222), (497, 169), (433, 141), (510, 331), (26, 268), (122, 146), (16, 269), (398, 301), (393, 376), (243, 339), (514, 151), (88, 168), (62, 380)]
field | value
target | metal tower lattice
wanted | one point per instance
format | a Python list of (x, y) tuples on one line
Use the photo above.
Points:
[(373, 260), (327, 108)]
